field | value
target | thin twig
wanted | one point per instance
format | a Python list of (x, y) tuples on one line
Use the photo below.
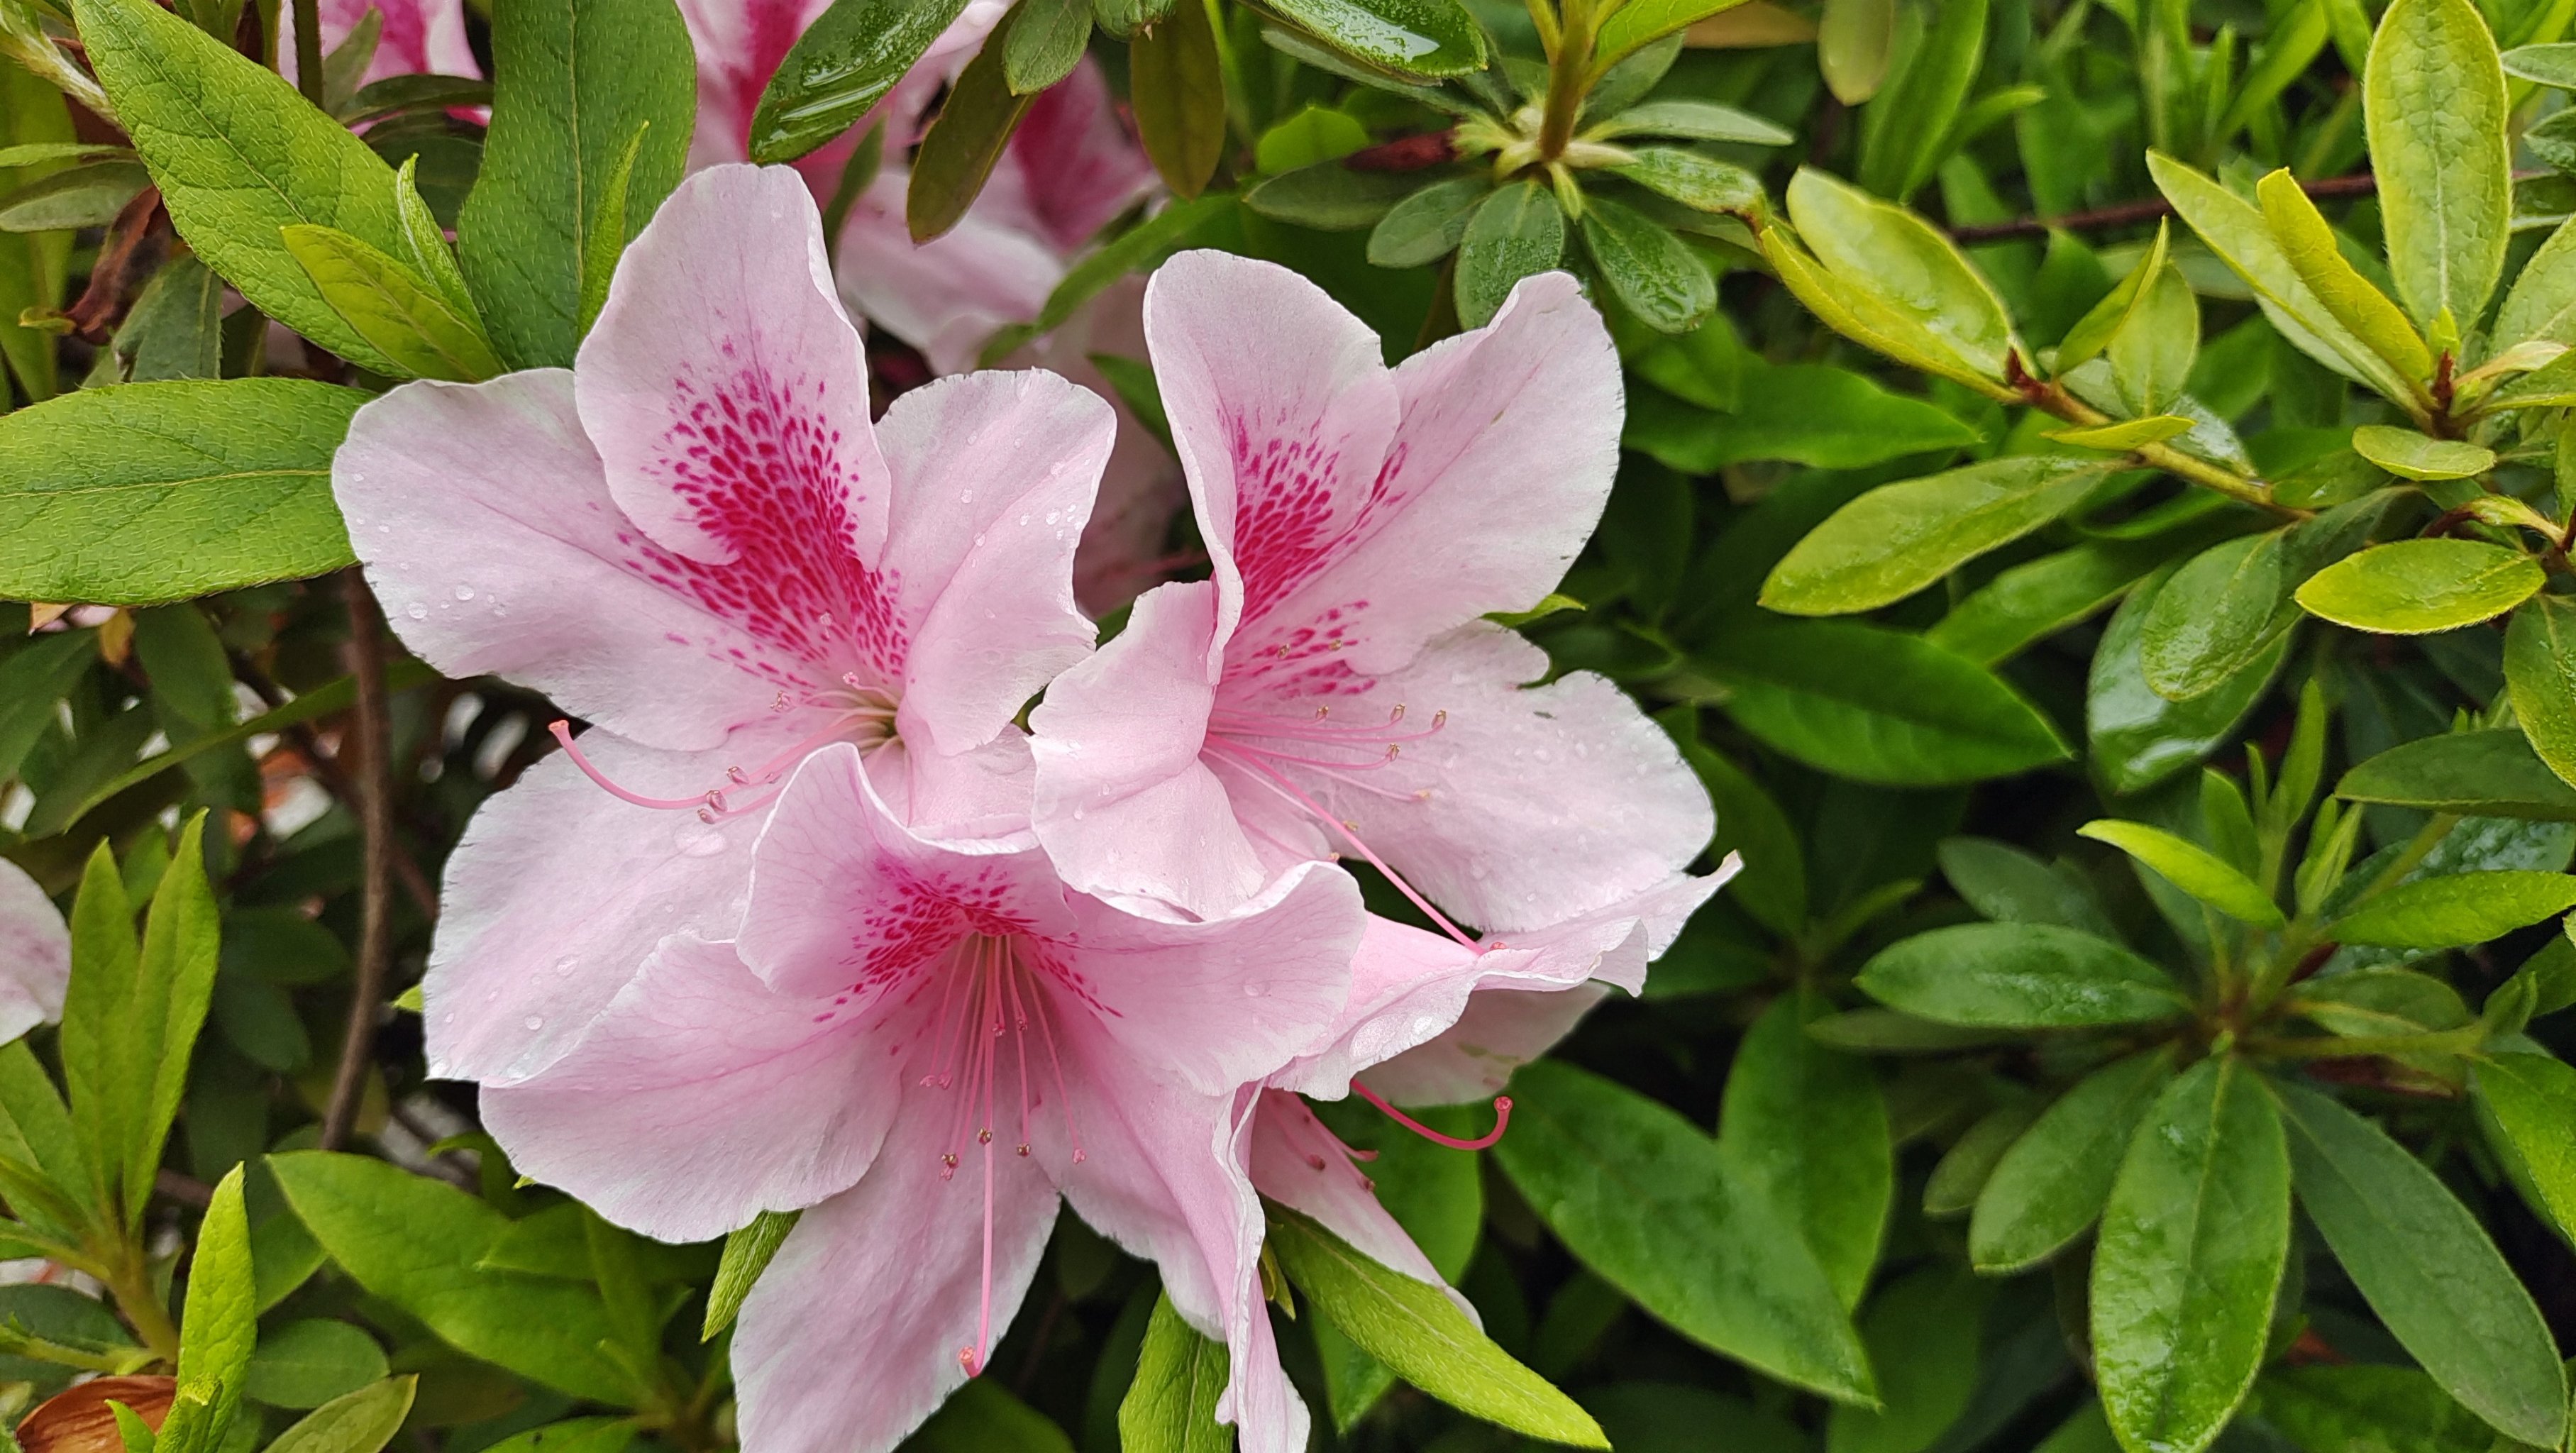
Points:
[(308, 53), (375, 804), (2129, 214)]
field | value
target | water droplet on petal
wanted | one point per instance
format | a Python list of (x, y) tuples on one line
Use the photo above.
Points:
[(465, 592), (1255, 989), (416, 611), (534, 1021)]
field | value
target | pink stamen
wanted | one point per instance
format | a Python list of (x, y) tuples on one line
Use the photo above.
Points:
[(562, 731), (1502, 1120), (1270, 778)]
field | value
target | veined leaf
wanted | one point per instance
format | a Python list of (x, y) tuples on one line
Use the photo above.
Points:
[(2436, 111), (2492, 773), (1899, 538), (392, 307), (2540, 674), (2053, 1181), (2309, 244), (2462, 908), (2192, 868), (1171, 1405), (2019, 976), (1901, 259)]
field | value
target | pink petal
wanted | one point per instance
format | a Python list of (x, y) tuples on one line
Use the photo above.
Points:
[(1124, 805), (1494, 480), (1305, 1167), (996, 473), (35, 954), (420, 37), (726, 393), (1543, 803), (1502, 1030), (1124, 549), (1281, 410), (487, 529), (845, 899), (750, 1100), (1080, 168), (948, 295), (559, 893), (739, 45), (850, 1338)]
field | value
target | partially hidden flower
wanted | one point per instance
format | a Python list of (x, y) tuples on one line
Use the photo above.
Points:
[(35, 954), (927, 1041), (418, 37), (1335, 688), (696, 540)]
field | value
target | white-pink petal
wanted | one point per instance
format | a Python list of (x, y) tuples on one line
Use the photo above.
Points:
[(35, 954)]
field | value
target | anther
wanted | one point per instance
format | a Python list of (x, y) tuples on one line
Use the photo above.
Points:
[(1024, 1150), (984, 1136), (967, 1359)]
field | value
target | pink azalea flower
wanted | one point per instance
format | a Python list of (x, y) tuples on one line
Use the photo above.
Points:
[(35, 954), (420, 37), (928, 1040), (696, 540), (1335, 687)]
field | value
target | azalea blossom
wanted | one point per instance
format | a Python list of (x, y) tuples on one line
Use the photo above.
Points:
[(419, 37), (1334, 688), (928, 1040), (35, 954), (696, 540)]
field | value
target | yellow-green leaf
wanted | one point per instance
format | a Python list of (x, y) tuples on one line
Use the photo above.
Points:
[(397, 311), (2409, 587)]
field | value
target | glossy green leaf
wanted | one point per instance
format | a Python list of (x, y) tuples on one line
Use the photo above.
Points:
[(1876, 704), (1922, 1335), (1331, 197), (1905, 262), (84, 196), (2054, 1181), (2411, 455), (1852, 308), (2190, 1254), (1644, 1199), (2008, 885), (1640, 23), (2192, 868), (2151, 354), (1692, 120), (2030, 601), (840, 68), (1899, 538), (1418, 1332), (2309, 243), (1660, 281), (219, 1324), (1517, 232), (238, 155), (1960, 1176), (747, 1253), (2436, 111), (162, 491), (2462, 908), (2105, 319), (1855, 40), (2540, 674), (2541, 306), (2019, 976), (2525, 1104), (1178, 91), (2128, 434), (1907, 127), (1694, 180), (360, 1422), (417, 1242), (1805, 1125), (308, 1363), (2409, 587), (2383, 1000), (1428, 38), (393, 308), (976, 121), (1428, 225), (2216, 614), (2354, 1407), (1045, 43), (2427, 1268), (1807, 413), (1171, 1405), (2492, 773)]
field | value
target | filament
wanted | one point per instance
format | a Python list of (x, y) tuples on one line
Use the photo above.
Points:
[(1502, 1120)]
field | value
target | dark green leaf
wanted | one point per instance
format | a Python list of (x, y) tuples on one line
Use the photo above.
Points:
[(977, 119), (1428, 225), (2463, 908), (1178, 89), (1045, 44), (2008, 885), (1331, 197), (2526, 1102), (2490, 773), (2019, 976), (842, 66), (1516, 233), (1408, 37), (2540, 672), (1653, 275), (2057, 1177), (2356, 1406), (85, 196), (1805, 1126)]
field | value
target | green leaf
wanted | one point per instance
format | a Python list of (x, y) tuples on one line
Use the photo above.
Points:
[(2128, 434), (1640, 23), (1178, 89), (978, 1417), (1421, 1335), (219, 1324), (1428, 38), (1899, 538), (2192, 868), (161, 491), (2358, 1406), (1876, 704), (2151, 354), (2019, 976), (360, 1422), (2427, 1268), (2525, 1104), (2033, 600), (840, 68), (1922, 1334), (1805, 1125), (2008, 885), (2057, 1177), (1906, 263), (309, 1363), (1428, 225), (2490, 773), (2434, 101), (2105, 319), (1517, 232), (1331, 197), (2309, 244), (392, 307), (1806, 413), (1644, 1199), (2190, 1257), (1854, 309), (1045, 44), (84, 196), (416, 1242), (977, 119), (1773, 883), (1855, 40), (1171, 1406), (1960, 1176), (577, 81), (2410, 587), (1694, 180), (2383, 1000), (1908, 127), (2411, 455), (2463, 908), (746, 1255), (1651, 272), (1692, 120), (2237, 233), (2540, 675), (2541, 306), (238, 155), (2216, 614)]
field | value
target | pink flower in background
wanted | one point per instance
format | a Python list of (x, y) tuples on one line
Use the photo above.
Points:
[(35, 954), (1335, 687), (934, 1039), (696, 540), (420, 37)]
